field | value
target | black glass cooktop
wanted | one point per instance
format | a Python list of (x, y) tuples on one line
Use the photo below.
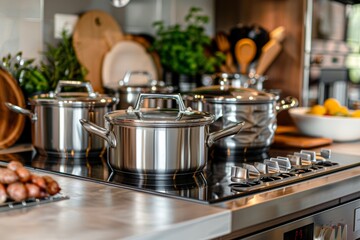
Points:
[(212, 185)]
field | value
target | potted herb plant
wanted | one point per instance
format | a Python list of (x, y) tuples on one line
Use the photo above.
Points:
[(185, 51)]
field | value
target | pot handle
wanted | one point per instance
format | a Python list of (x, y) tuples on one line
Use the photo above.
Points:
[(287, 103), (128, 74), (21, 110), (108, 135), (70, 83), (231, 130), (142, 96)]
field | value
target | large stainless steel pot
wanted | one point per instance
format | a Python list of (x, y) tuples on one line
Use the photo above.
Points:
[(128, 92), (56, 130), (256, 108), (159, 142)]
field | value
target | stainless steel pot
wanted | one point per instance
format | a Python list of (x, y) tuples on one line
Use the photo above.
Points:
[(159, 142), (128, 92), (256, 108), (56, 130)]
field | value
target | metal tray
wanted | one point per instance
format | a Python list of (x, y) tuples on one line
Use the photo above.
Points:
[(11, 205)]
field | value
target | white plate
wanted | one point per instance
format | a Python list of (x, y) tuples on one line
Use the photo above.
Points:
[(127, 56), (339, 129)]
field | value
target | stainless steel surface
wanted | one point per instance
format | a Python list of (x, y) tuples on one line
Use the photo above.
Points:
[(257, 109), (160, 144), (56, 130), (337, 222), (251, 213), (102, 211), (128, 92), (290, 202)]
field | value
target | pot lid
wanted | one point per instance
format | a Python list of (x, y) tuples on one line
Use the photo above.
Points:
[(73, 99), (151, 85), (228, 94), (155, 117)]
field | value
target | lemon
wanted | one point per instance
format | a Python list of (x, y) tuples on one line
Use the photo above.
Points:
[(332, 106), (343, 111), (356, 114), (318, 110)]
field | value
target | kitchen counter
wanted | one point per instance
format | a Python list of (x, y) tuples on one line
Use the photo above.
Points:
[(99, 211), (102, 211)]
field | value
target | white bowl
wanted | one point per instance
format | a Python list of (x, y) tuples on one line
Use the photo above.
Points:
[(340, 129)]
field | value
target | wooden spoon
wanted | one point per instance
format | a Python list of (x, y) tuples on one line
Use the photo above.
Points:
[(245, 50)]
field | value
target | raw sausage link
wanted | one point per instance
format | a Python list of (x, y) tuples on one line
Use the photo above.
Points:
[(3, 195), (17, 191), (38, 181), (13, 165), (53, 188), (24, 174), (7, 176), (33, 190)]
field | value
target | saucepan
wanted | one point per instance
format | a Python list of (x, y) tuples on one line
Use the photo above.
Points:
[(55, 120), (156, 142)]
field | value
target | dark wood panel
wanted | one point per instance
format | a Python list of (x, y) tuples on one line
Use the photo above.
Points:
[(286, 72)]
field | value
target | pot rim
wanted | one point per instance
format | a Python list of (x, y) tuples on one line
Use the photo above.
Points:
[(159, 118), (230, 95)]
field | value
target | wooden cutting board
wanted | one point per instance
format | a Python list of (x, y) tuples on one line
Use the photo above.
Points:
[(93, 36), (288, 136), (11, 124)]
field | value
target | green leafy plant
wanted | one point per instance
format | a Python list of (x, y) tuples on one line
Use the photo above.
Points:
[(186, 50), (30, 79), (61, 62)]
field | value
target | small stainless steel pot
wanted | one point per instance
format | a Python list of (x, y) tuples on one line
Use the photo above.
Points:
[(128, 92), (256, 108), (159, 142), (56, 130)]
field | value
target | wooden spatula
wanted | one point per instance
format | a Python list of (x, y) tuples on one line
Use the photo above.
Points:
[(268, 54), (245, 50)]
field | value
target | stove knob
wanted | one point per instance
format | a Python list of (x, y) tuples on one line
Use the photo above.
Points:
[(284, 162), (295, 160), (273, 166), (311, 153), (325, 153), (262, 167), (239, 174), (251, 169)]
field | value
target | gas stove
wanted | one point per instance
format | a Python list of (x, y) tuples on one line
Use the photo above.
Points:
[(225, 177)]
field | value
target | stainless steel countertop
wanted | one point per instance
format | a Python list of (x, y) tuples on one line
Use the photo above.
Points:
[(99, 211)]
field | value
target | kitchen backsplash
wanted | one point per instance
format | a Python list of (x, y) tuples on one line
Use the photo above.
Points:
[(27, 25)]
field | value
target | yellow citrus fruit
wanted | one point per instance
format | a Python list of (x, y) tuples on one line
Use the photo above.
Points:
[(318, 110), (343, 111), (356, 114), (332, 106)]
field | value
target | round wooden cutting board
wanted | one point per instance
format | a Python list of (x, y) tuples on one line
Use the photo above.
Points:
[(91, 38), (11, 124)]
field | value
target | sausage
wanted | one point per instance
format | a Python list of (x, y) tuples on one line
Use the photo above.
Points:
[(33, 190), (38, 181), (17, 191), (48, 179), (7, 176), (3, 195), (14, 165), (23, 173), (53, 188)]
